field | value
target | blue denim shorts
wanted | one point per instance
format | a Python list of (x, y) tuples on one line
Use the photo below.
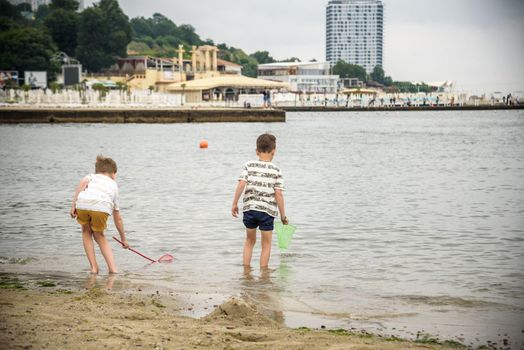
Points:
[(254, 219)]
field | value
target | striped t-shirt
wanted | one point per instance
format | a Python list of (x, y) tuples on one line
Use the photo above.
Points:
[(101, 194), (262, 179)]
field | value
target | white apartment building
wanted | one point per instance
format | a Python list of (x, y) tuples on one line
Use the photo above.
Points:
[(306, 77), (355, 32)]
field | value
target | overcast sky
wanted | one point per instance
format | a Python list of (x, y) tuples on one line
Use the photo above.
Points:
[(477, 43)]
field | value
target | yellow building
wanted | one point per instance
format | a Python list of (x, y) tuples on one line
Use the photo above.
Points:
[(147, 72)]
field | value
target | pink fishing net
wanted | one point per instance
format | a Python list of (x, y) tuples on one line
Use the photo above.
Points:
[(166, 258)]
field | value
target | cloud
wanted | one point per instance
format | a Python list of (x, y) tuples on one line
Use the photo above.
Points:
[(478, 59)]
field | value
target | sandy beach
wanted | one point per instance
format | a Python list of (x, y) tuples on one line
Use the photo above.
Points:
[(46, 316)]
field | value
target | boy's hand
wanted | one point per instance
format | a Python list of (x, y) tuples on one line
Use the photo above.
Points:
[(234, 210), (285, 220), (125, 244), (72, 212)]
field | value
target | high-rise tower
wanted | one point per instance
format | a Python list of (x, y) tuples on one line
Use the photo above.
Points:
[(355, 32)]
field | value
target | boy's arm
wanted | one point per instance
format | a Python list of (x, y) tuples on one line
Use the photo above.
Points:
[(81, 186), (119, 223), (279, 197), (238, 192)]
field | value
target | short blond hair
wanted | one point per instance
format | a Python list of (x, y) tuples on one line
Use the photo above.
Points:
[(105, 165)]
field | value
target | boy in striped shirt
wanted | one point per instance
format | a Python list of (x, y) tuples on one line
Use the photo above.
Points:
[(262, 184), (96, 197)]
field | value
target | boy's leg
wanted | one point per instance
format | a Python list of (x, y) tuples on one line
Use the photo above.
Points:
[(89, 247), (106, 250), (266, 248), (251, 239)]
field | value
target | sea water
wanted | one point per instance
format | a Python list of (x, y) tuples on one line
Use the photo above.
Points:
[(407, 221)]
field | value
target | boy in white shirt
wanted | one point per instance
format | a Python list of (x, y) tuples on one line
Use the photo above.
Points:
[(263, 199), (96, 197)]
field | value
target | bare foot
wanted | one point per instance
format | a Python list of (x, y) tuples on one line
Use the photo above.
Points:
[(110, 280), (90, 281)]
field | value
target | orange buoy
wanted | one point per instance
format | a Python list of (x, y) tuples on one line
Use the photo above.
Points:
[(203, 144)]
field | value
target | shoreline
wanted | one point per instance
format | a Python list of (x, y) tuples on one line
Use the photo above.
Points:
[(45, 314)]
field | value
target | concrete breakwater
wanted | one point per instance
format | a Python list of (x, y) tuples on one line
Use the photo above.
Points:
[(398, 108), (13, 115)]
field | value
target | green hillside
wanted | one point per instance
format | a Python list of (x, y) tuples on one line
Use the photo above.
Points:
[(159, 36)]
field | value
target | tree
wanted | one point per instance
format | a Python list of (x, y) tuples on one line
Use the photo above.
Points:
[(262, 57), (188, 35), (62, 25), (161, 25), (68, 5), (378, 74), (9, 11), (119, 27), (141, 27), (42, 12), (292, 59), (92, 50), (406, 86), (27, 48), (103, 35), (346, 70)]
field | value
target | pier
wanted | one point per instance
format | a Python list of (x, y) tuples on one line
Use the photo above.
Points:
[(399, 108), (14, 115)]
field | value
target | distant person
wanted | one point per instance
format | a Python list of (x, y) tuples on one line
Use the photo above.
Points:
[(96, 197), (262, 185), (438, 99)]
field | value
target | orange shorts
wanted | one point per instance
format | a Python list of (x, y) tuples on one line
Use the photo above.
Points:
[(97, 220)]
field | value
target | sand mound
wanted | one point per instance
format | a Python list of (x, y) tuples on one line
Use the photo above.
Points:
[(240, 312)]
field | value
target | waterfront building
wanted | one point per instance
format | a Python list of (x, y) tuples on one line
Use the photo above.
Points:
[(226, 87), (303, 77), (354, 32), (145, 72)]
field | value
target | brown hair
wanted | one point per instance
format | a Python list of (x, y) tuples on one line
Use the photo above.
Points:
[(266, 143), (105, 165)]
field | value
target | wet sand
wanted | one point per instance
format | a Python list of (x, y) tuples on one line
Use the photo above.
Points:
[(49, 317)]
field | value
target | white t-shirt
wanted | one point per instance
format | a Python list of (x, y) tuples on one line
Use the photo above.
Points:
[(101, 194), (262, 179)]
